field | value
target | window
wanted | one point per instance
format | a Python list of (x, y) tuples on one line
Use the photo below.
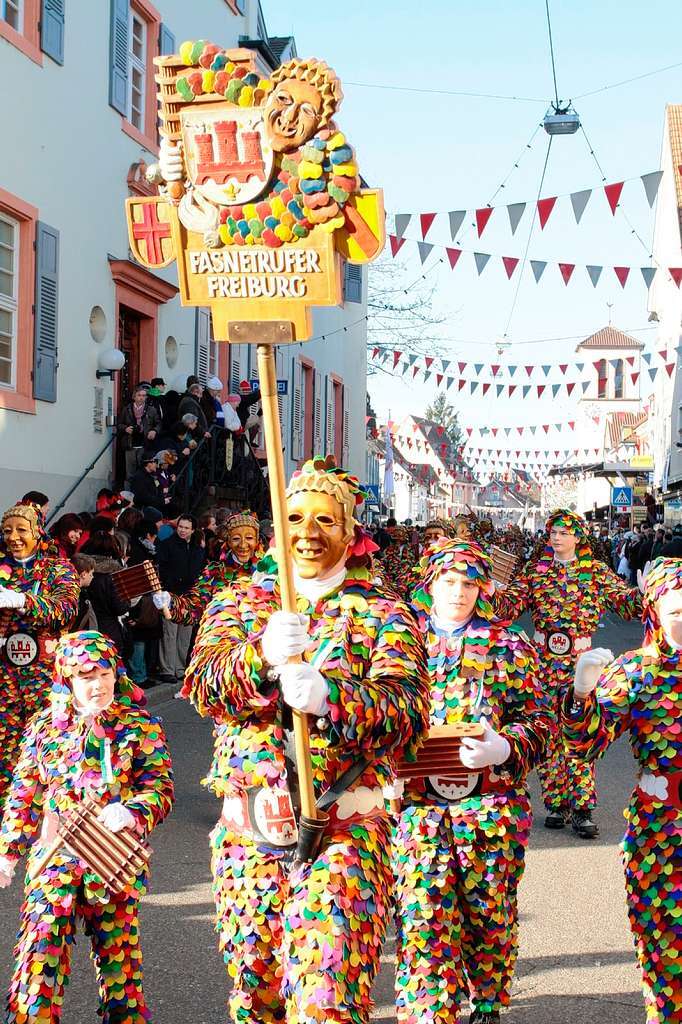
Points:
[(137, 34), (601, 378), (352, 283), (9, 297), (618, 379), (11, 12)]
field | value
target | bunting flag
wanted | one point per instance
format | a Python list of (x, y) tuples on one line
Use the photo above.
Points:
[(426, 220), (515, 211), (648, 273), (482, 217), (579, 201), (453, 256), (594, 273), (566, 271), (612, 193), (545, 205), (396, 244), (424, 251), (622, 274), (538, 268), (676, 274), (510, 264), (482, 258)]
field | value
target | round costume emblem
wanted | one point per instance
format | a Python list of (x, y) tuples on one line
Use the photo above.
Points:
[(559, 643), (21, 649), (273, 815), (453, 789)]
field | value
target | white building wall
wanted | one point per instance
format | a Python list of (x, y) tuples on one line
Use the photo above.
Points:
[(65, 153)]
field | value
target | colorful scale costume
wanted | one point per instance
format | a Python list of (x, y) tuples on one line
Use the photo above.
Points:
[(398, 560), (120, 754), (459, 853), (51, 602), (641, 693), (302, 944), (566, 601)]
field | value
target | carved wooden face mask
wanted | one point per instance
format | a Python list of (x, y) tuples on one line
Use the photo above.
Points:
[(243, 541), (292, 114), (319, 534)]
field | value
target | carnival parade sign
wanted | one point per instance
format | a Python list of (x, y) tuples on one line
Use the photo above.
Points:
[(259, 203), (260, 197)]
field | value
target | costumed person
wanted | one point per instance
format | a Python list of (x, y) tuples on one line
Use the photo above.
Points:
[(397, 561), (302, 943), (641, 693), (566, 591), (38, 598), (459, 846), (239, 558), (90, 739)]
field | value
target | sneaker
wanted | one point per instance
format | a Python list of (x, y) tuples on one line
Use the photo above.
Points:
[(555, 819), (484, 1017), (582, 824)]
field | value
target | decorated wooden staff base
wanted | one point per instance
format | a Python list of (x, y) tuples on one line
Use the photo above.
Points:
[(259, 203), (116, 857)]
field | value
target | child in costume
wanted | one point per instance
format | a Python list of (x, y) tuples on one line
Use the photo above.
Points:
[(459, 848), (566, 591), (302, 943), (641, 693), (90, 739), (242, 551), (38, 598)]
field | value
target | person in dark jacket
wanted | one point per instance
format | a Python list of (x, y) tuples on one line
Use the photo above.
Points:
[(673, 547), (106, 604), (145, 485), (191, 403), (138, 426), (180, 562)]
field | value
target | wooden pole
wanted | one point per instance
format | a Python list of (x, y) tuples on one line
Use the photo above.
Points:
[(265, 334)]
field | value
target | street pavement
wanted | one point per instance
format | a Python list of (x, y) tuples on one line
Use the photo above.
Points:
[(576, 962)]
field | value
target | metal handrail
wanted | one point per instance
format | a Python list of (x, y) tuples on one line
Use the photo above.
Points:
[(181, 489), (81, 478)]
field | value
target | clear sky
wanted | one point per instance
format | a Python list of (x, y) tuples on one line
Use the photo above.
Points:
[(435, 152)]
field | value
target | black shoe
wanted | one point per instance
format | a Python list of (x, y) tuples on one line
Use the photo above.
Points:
[(582, 824), (147, 684), (169, 680), (555, 820), (484, 1017)]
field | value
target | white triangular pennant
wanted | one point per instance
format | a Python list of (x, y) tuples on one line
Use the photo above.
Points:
[(651, 182), (401, 222), (456, 217), (595, 273), (579, 202), (538, 268), (515, 211)]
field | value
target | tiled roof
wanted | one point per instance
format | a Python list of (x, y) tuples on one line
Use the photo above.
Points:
[(674, 117), (278, 44), (623, 426), (609, 337)]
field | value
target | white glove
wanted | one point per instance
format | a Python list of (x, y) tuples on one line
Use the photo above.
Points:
[(11, 598), (171, 163), (642, 575), (116, 816), (7, 866), (588, 668), (304, 688), (161, 599), (493, 749), (394, 790), (285, 635)]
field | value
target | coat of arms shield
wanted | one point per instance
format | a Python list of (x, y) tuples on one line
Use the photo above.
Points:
[(228, 157)]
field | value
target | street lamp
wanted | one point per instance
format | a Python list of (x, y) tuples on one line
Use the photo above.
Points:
[(561, 120), (109, 362)]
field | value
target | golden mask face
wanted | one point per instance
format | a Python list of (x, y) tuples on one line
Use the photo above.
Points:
[(242, 542), (292, 114), (319, 537), (18, 536)]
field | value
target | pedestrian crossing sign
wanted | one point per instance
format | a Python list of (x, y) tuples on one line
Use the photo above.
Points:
[(621, 497)]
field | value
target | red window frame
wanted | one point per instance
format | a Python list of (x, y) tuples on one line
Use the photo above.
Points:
[(28, 40), (149, 137), (20, 397)]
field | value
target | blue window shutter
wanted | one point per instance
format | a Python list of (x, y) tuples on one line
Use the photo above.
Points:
[(202, 341), (166, 41), (352, 283), (45, 333), (52, 29), (118, 67)]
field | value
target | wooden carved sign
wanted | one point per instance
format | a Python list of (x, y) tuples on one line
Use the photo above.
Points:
[(260, 198)]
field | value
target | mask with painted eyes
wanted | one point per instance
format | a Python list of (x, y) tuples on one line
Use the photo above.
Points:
[(292, 114), (319, 533)]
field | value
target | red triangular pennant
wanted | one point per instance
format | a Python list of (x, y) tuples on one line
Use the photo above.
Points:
[(485, 387), (494, 431), (426, 220), (462, 382), (563, 367), (453, 255), (569, 388), (428, 360), (510, 264), (529, 370), (613, 194), (545, 427), (630, 360), (566, 271), (541, 388), (512, 389), (439, 378), (622, 274), (669, 367), (375, 353), (469, 431), (482, 217), (396, 358), (634, 377), (676, 274), (461, 367), (571, 424), (545, 207), (396, 244)]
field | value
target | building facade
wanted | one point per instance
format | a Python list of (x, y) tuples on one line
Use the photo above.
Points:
[(77, 138)]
